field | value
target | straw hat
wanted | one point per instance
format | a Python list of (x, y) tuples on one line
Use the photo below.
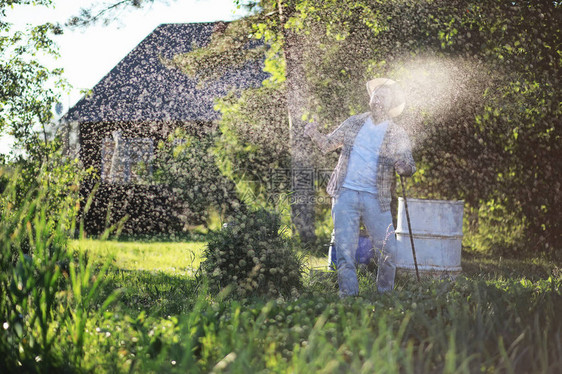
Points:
[(398, 100)]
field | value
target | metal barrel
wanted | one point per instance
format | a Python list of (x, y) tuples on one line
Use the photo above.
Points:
[(437, 233)]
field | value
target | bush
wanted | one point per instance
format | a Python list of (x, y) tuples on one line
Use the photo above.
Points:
[(252, 256)]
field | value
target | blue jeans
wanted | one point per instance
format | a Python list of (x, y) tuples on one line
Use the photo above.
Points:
[(349, 206)]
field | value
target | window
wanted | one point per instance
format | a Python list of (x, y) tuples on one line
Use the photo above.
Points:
[(126, 160)]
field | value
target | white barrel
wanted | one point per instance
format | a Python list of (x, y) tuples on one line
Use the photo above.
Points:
[(437, 233)]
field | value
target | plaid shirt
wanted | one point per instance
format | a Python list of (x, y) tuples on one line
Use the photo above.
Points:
[(395, 146)]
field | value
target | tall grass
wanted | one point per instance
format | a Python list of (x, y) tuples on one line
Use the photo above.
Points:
[(46, 292), (468, 325), (89, 311), (438, 326)]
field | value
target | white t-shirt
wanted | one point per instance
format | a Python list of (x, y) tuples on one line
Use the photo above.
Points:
[(362, 167)]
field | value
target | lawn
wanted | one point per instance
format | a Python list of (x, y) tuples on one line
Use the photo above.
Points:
[(171, 258), (498, 316)]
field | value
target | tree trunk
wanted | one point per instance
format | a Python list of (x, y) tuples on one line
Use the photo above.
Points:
[(302, 188)]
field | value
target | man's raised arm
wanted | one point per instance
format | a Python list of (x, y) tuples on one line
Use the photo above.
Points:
[(326, 143)]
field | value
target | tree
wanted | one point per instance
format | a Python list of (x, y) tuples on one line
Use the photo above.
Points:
[(497, 141), (493, 140), (27, 96), (186, 167), (506, 164), (231, 45)]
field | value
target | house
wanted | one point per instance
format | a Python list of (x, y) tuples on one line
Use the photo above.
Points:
[(115, 129)]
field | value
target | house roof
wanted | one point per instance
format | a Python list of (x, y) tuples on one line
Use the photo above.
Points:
[(141, 89)]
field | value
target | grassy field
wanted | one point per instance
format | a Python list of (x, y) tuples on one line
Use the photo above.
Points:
[(499, 316), (171, 258), (144, 307)]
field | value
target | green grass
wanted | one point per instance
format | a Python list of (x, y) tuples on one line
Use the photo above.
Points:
[(499, 316), (172, 258), (142, 307), (480, 265)]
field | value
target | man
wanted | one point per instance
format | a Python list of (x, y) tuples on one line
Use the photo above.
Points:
[(374, 148)]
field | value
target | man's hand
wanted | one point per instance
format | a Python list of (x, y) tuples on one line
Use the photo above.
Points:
[(402, 168), (310, 128)]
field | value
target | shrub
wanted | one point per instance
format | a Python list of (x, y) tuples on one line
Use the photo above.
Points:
[(252, 256)]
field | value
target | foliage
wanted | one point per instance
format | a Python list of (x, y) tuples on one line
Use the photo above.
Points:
[(253, 144), (500, 149), (28, 93), (492, 229), (30, 284), (251, 256), (187, 167), (55, 183), (494, 138), (46, 293), (483, 104), (498, 316), (60, 175), (105, 12), (27, 96)]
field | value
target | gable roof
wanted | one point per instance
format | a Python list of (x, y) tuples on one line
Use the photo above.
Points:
[(141, 89)]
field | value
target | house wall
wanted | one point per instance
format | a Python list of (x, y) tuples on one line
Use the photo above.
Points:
[(147, 208)]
